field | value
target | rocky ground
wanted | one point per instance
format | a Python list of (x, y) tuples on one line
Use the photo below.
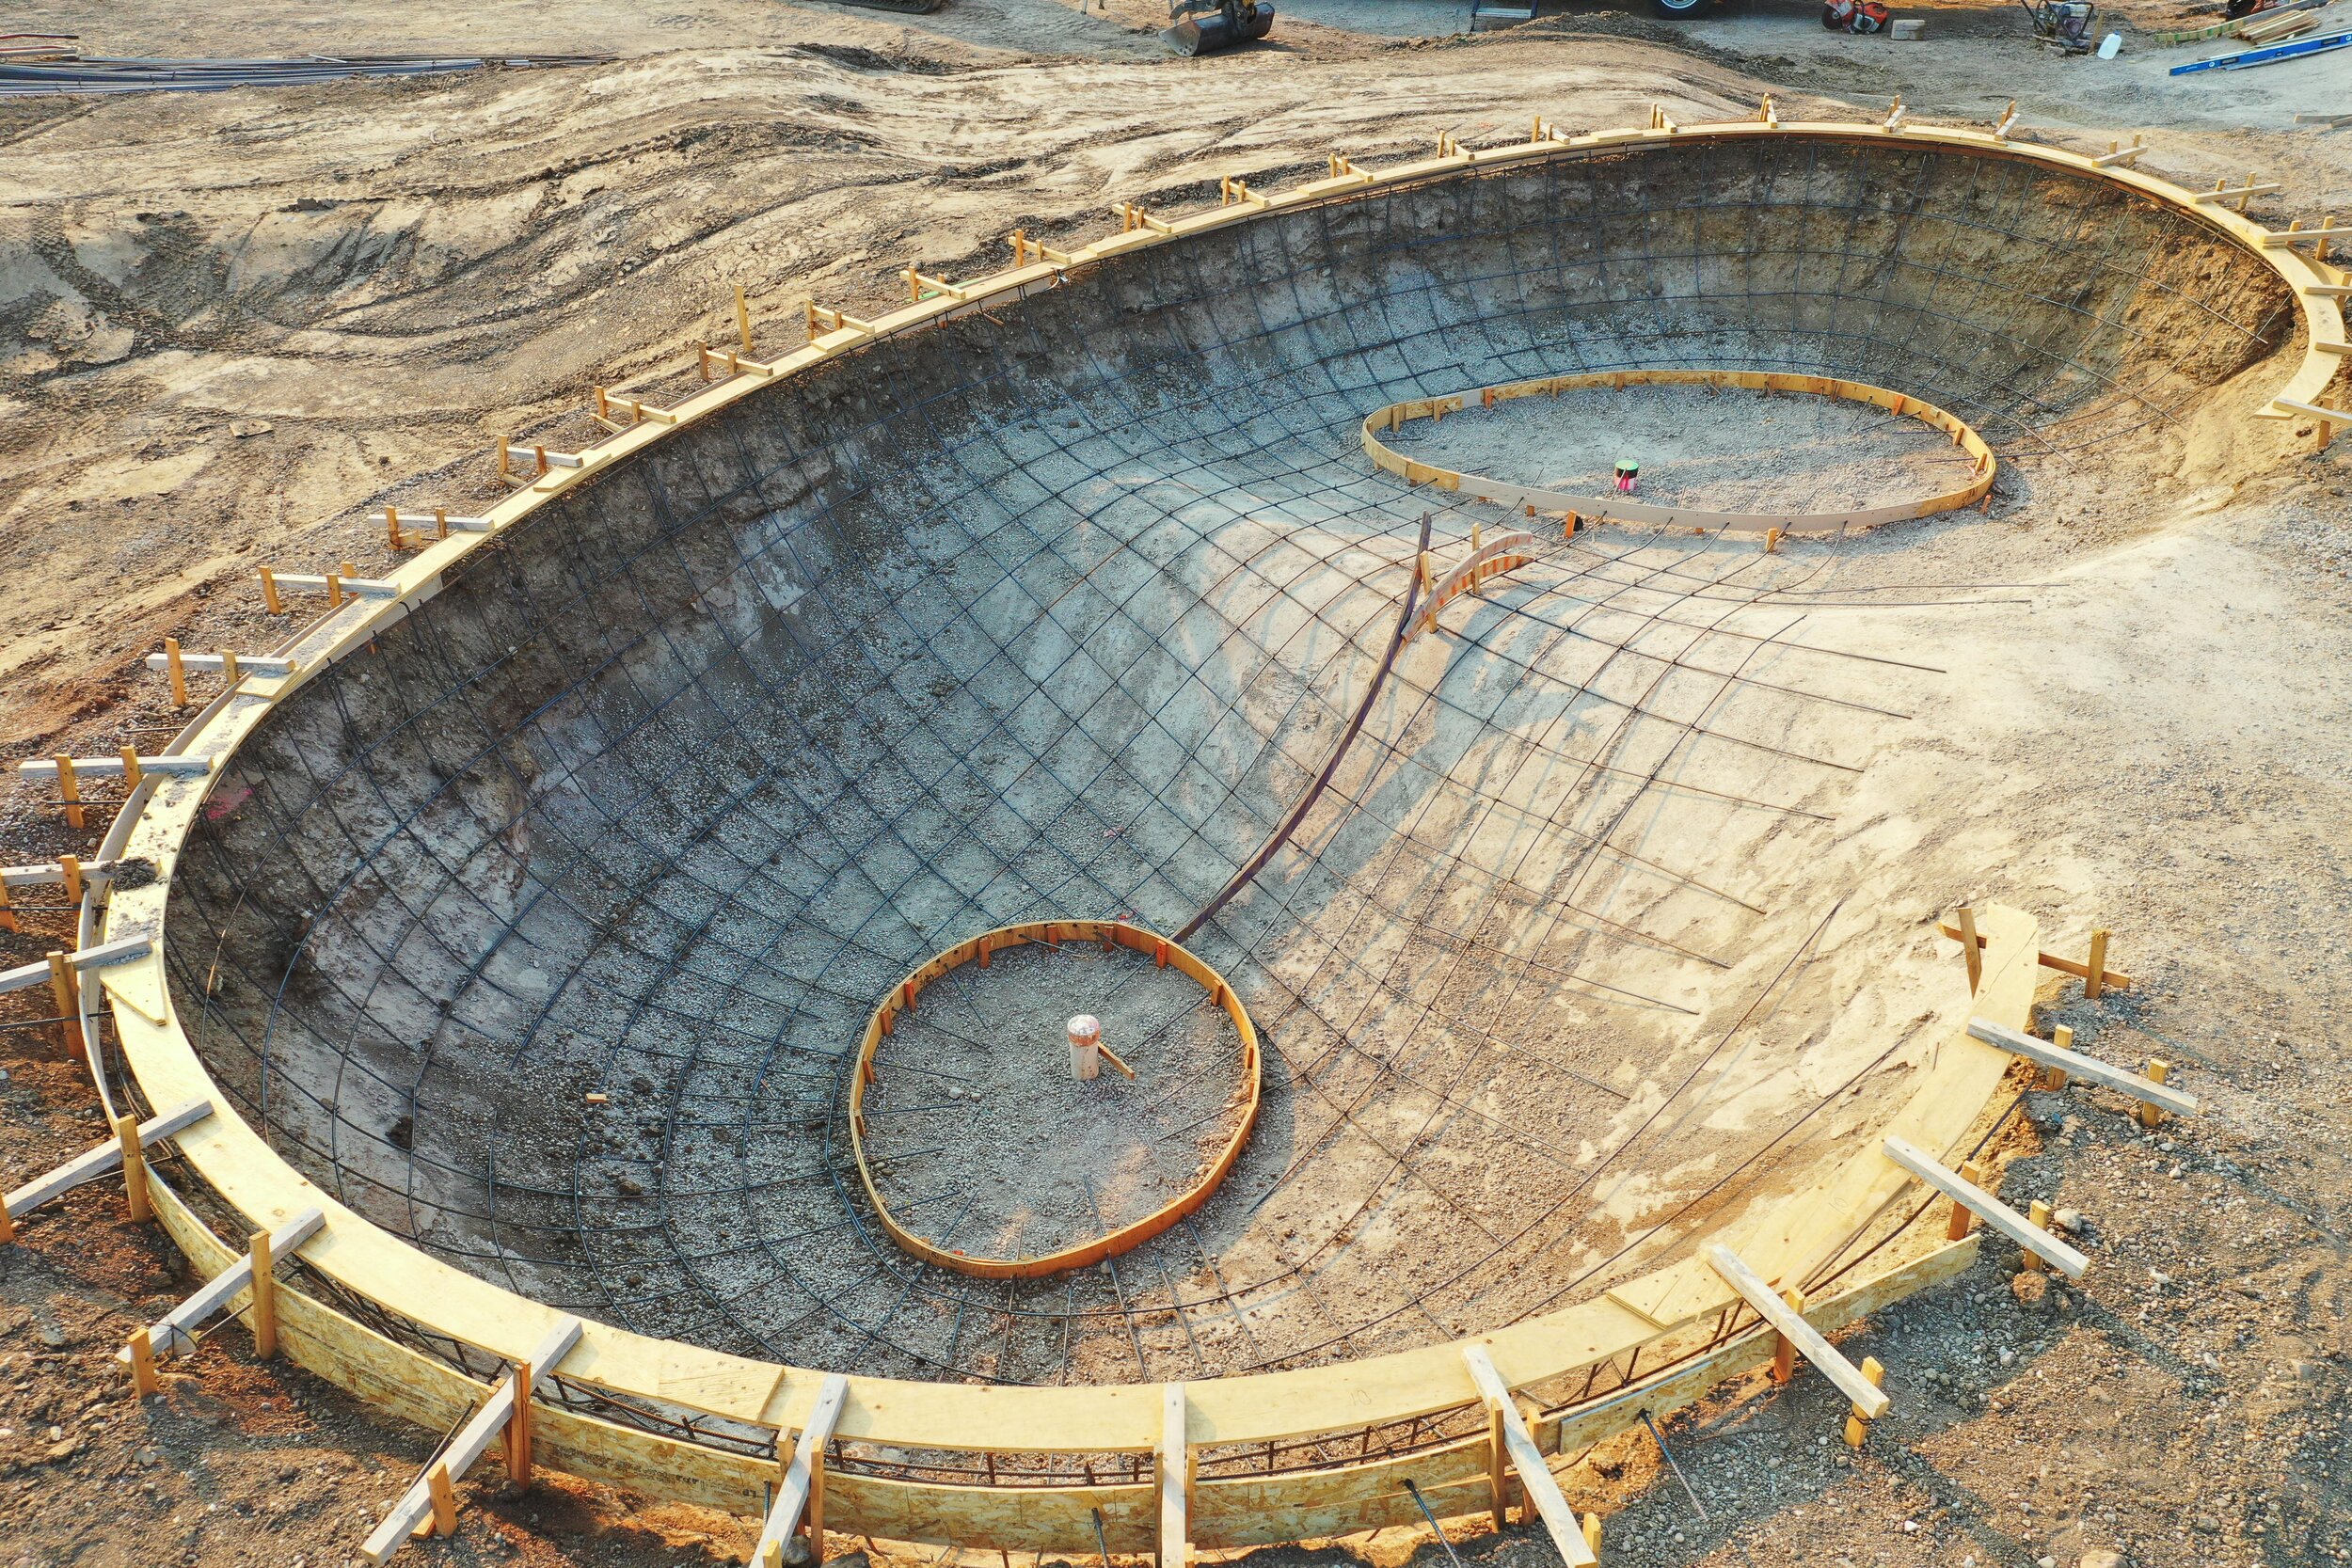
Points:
[(227, 322)]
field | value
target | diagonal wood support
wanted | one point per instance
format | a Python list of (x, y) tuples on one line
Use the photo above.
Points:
[(121, 951), (1569, 1534), (2000, 1216), (174, 1332), (1869, 1400), (420, 1505), (96, 1161), (2089, 1068), (802, 1492)]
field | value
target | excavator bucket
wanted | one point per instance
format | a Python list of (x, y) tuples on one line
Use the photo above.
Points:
[(1205, 26)]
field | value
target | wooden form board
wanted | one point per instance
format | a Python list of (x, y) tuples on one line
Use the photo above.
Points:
[(1244, 1511), (1501, 554), (1983, 465), (241, 1167)]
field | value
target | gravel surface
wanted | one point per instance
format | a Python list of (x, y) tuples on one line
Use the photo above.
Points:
[(984, 1140), (1729, 450)]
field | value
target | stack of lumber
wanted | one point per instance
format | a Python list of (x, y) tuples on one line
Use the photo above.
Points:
[(2271, 25), (2237, 27)]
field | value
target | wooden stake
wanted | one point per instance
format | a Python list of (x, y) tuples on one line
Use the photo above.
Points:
[(269, 593), (1783, 1348), (444, 1500), (1972, 949), (143, 1378), (72, 865), (1591, 1534), (391, 525), (178, 671), (133, 1167), (1963, 1218), (70, 792), (1771, 541), (8, 923), (265, 1296), (2095, 982), (2156, 1070), (817, 1505), (2039, 1216), (1498, 1470), (66, 988), (2063, 1037), (1857, 1424), (334, 590), (518, 1426)]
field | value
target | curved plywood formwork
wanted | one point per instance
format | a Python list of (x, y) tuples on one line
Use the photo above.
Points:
[(1982, 469), (378, 1315), (1126, 1237)]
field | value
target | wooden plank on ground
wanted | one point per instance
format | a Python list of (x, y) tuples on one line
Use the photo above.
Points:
[(1867, 1397)]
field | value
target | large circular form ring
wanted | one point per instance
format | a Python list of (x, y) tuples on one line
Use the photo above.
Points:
[(1112, 934), (1982, 464)]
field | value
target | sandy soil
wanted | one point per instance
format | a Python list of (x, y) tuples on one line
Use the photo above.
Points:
[(2141, 732)]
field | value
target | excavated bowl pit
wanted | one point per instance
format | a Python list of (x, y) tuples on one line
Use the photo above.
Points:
[(1059, 611)]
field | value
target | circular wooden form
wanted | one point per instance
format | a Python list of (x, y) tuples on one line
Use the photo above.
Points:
[(1620, 510), (642, 1406), (1052, 933)]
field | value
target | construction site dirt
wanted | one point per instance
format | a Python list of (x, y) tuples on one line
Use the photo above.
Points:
[(234, 327)]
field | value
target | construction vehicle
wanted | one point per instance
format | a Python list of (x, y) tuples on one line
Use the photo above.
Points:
[(1205, 26)]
